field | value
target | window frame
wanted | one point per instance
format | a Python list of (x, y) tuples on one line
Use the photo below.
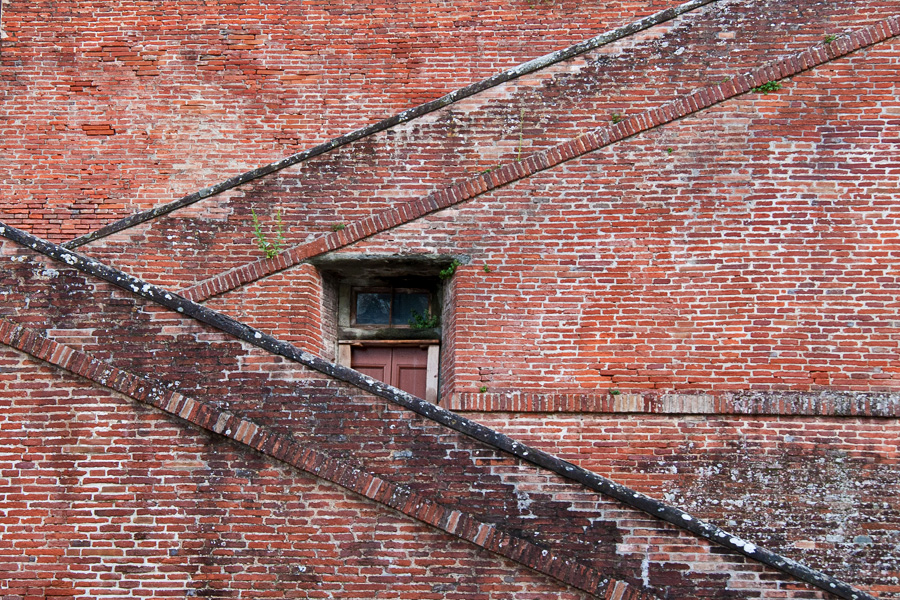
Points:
[(392, 291)]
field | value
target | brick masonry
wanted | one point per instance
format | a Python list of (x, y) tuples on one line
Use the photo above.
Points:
[(698, 302), (783, 322), (115, 500), (710, 275), (758, 474), (278, 409), (471, 140), (142, 103)]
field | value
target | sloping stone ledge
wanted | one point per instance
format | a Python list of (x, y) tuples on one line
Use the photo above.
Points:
[(408, 115)]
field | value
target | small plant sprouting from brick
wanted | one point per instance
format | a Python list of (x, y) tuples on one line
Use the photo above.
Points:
[(420, 321), (486, 269), (770, 86), (830, 38), (670, 150), (270, 248), (482, 389), (338, 227), (616, 118), (449, 271), (614, 392)]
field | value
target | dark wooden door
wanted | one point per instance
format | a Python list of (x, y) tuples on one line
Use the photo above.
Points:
[(405, 367)]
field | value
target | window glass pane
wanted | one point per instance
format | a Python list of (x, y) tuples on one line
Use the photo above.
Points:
[(407, 302), (373, 308)]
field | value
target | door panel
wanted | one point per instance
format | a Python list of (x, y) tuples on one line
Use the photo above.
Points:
[(400, 366), (409, 370), (411, 379), (374, 361)]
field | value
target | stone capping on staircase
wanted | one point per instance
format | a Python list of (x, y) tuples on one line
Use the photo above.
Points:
[(407, 115), (207, 416), (589, 479), (590, 141)]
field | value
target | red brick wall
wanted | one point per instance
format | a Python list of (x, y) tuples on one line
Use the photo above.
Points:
[(293, 306), (104, 498), (332, 418), (747, 247), (111, 107), (759, 254), (807, 487), (492, 128), (750, 248)]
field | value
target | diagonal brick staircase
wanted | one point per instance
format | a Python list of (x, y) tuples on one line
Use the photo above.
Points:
[(430, 464), (230, 380), (691, 60)]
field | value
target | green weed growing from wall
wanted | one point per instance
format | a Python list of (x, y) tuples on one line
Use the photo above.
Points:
[(270, 248)]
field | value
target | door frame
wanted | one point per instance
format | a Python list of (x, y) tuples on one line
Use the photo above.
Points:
[(432, 366)]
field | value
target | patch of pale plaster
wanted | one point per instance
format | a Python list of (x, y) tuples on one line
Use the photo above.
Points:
[(3, 4)]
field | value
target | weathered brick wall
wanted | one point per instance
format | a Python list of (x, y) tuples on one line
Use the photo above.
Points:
[(494, 127), (750, 248), (105, 498), (111, 107), (809, 487), (292, 305), (746, 247), (759, 254), (360, 429)]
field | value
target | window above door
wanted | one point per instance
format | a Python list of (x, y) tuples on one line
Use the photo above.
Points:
[(384, 316), (390, 307)]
